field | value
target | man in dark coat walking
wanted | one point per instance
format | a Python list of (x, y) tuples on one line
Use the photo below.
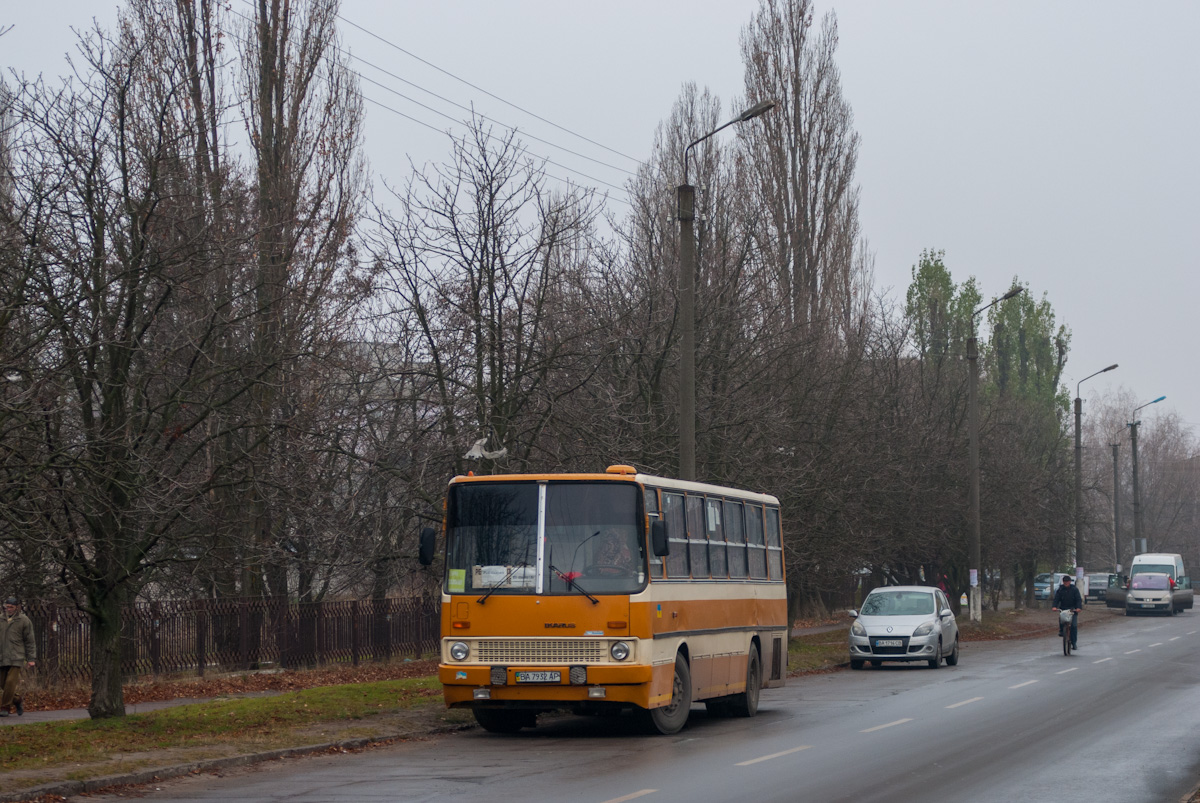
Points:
[(17, 651)]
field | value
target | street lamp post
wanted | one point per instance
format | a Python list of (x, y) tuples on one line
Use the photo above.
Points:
[(686, 202), (1079, 468), (1137, 502), (975, 598)]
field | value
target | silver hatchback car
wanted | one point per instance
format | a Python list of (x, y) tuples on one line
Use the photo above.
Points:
[(904, 623)]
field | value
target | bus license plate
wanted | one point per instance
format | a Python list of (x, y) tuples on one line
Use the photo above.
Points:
[(539, 677), (889, 642)]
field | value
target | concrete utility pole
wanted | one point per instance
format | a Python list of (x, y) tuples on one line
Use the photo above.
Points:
[(1079, 468), (974, 555), (686, 203), (1116, 508), (1137, 502)]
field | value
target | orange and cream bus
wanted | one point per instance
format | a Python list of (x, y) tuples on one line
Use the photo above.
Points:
[(619, 590)]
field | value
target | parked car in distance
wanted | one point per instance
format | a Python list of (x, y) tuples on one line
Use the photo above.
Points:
[(1043, 585), (1149, 592), (904, 623), (1099, 583)]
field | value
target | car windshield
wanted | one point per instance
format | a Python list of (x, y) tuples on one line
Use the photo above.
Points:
[(1044, 578), (898, 603), (1150, 582), (1162, 568)]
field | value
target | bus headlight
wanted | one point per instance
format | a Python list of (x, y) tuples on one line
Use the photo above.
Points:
[(619, 651), (459, 651)]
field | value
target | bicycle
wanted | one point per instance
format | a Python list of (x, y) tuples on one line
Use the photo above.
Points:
[(1064, 628)]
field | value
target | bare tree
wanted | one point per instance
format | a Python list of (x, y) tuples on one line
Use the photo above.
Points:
[(803, 157), (485, 267)]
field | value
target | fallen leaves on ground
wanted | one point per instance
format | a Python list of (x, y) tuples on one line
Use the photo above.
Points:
[(220, 685)]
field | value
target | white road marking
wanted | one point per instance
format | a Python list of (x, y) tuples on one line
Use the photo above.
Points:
[(633, 796), (1065, 671), (1156, 644), (1131, 652), (1026, 683), (1190, 633), (773, 755), (890, 724), (1102, 660), (965, 702), (1175, 639)]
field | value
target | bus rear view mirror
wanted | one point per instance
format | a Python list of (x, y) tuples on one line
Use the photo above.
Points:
[(658, 538), (426, 546)]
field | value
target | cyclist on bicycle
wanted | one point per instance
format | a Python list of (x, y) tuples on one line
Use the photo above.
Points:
[(1067, 598)]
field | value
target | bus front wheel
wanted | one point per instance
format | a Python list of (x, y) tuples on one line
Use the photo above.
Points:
[(671, 717)]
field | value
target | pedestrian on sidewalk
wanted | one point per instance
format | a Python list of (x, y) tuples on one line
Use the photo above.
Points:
[(17, 650)]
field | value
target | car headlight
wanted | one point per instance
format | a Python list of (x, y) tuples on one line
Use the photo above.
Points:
[(858, 629), (924, 630), (619, 651), (459, 651)]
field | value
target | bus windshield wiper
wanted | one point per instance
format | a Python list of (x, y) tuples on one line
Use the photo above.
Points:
[(522, 565), (571, 582)]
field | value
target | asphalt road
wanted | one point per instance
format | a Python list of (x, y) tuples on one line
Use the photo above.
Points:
[(1013, 721)]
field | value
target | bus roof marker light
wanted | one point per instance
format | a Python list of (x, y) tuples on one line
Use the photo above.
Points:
[(621, 469)]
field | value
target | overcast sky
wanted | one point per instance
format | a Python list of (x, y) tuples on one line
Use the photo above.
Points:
[(1054, 141)]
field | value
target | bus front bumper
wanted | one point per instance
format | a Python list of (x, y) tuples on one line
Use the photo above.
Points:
[(466, 684)]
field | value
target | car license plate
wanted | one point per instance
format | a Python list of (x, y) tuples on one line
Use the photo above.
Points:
[(539, 677), (1147, 604), (889, 642)]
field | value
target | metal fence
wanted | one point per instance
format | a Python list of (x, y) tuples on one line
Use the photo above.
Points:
[(199, 636)]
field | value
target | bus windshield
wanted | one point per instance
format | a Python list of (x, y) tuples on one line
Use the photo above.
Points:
[(592, 545)]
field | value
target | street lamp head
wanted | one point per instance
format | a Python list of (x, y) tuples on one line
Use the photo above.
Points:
[(1160, 398), (1016, 291), (1109, 368), (762, 107)]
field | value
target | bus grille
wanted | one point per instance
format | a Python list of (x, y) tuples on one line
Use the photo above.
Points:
[(512, 651)]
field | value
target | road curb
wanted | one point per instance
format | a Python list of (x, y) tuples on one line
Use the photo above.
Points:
[(68, 788)]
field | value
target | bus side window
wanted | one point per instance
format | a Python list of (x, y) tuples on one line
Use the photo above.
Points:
[(716, 538), (754, 538), (755, 546), (677, 561), (736, 538), (652, 515), (696, 536), (774, 546)]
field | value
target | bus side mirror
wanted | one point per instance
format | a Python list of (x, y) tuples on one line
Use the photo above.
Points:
[(426, 546), (658, 538)]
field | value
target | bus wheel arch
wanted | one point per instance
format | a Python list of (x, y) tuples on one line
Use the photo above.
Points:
[(671, 718), (746, 703)]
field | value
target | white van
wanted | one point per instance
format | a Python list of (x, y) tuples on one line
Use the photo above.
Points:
[(1171, 564), (1166, 562)]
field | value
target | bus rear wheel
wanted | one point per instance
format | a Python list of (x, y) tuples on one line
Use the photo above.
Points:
[(746, 704), (671, 717), (500, 720)]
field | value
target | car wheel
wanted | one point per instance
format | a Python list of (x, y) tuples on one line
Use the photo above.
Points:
[(856, 664), (746, 703), (936, 661), (952, 658)]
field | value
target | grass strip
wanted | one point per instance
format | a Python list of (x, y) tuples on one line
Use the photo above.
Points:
[(51, 744)]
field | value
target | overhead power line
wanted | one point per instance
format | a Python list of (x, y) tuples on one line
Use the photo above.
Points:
[(484, 91), (551, 175)]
